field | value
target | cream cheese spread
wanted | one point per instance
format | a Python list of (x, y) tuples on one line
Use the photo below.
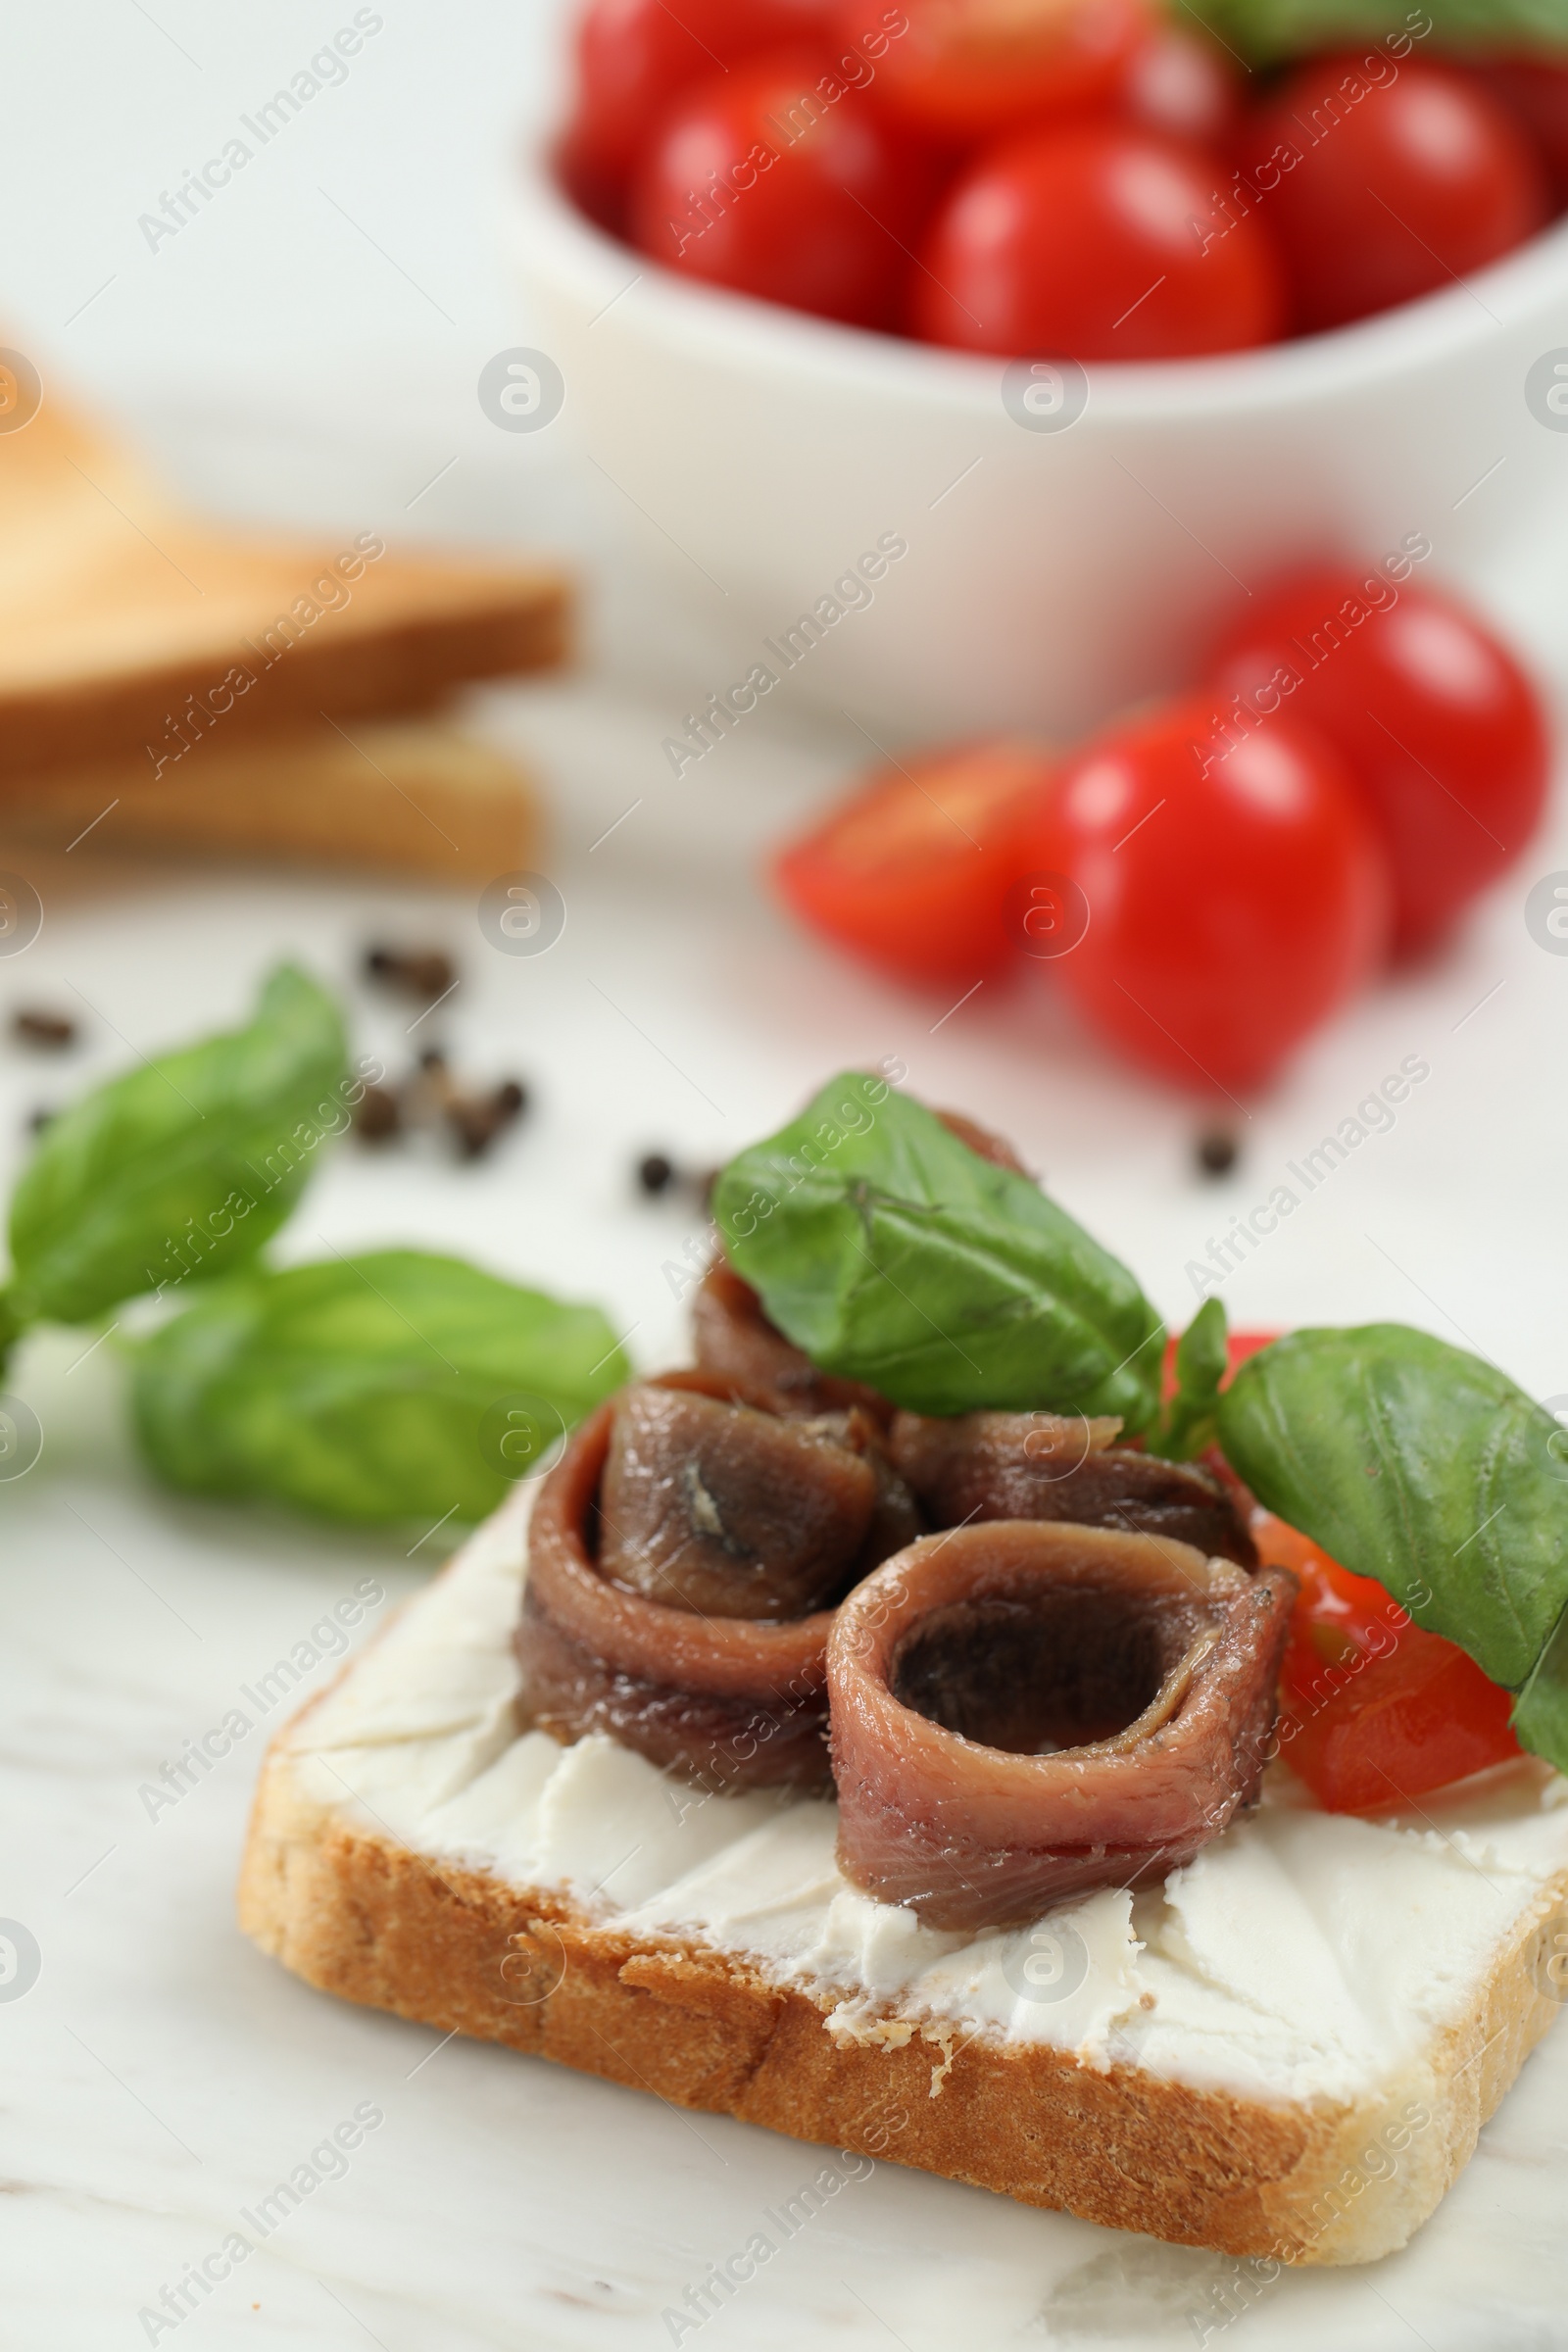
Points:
[(1303, 1955)]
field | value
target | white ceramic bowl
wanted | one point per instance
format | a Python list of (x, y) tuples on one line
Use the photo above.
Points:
[(1051, 575)]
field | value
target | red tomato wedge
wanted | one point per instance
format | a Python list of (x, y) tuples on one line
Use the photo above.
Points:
[(1244, 1345), (1375, 1712), (914, 872)]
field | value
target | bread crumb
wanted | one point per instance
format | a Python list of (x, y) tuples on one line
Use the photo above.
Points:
[(944, 2042), (851, 2020)]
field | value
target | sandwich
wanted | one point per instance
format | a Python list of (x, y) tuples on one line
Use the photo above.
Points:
[(918, 1726)]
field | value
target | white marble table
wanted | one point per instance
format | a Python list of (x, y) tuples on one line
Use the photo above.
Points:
[(159, 2075)]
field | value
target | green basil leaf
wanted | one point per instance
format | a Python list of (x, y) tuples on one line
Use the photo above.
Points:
[(1265, 30), (12, 1327), (393, 1386), (1540, 1719), (184, 1168), (1419, 1464), (896, 1255), (1203, 1359)]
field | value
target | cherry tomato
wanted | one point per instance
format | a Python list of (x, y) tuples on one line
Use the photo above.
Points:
[(912, 872), (1080, 243), (1374, 1710), (1535, 91), (1237, 894), (1441, 729), (1379, 191), (634, 55), (1244, 1346), (780, 180), (963, 68), (1181, 82)]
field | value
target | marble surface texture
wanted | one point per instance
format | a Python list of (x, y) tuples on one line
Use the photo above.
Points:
[(159, 2076)]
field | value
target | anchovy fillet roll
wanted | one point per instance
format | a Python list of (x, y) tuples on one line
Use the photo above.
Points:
[(1023, 1712), (681, 1554), (1051, 1466), (716, 1506), (735, 1341)]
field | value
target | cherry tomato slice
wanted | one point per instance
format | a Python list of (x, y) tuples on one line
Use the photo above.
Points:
[(1079, 243), (1375, 1712), (781, 180), (634, 55), (1441, 730), (1236, 896), (912, 872), (963, 68), (1244, 1346), (1380, 191)]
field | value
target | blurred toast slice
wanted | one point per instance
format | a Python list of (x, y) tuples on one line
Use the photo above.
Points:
[(397, 798), (126, 627)]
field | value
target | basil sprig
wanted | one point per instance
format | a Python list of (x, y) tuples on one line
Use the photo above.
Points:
[(1263, 31), (181, 1168), (1190, 1425), (1416, 1463), (394, 1386), (374, 1389), (894, 1255)]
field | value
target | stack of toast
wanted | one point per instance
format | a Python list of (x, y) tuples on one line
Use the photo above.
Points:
[(169, 686)]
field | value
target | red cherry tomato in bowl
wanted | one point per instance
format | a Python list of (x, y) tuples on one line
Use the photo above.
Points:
[(963, 68), (912, 873), (1375, 1711), (1236, 896), (781, 180), (1380, 191), (634, 55), (1441, 728), (1181, 84), (1079, 243), (1535, 91)]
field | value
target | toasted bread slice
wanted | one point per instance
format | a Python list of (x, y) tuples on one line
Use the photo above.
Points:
[(388, 797), (1287, 2055), (124, 626)]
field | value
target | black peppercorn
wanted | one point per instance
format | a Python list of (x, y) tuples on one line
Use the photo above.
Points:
[(377, 1118), (32, 1025), (426, 973)]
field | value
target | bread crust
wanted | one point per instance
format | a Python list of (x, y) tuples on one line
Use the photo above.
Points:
[(119, 611), (356, 1912), (400, 798)]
